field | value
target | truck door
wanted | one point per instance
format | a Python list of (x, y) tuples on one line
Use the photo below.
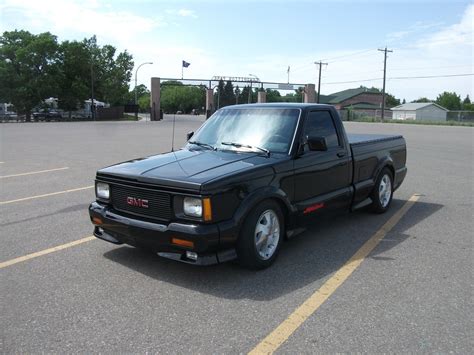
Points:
[(322, 178)]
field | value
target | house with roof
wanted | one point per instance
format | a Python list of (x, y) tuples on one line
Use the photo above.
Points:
[(421, 111), (363, 100)]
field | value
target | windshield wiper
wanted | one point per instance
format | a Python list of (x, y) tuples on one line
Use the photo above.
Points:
[(240, 145), (201, 144)]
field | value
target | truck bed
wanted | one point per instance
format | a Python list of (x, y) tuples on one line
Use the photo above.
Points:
[(356, 139), (368, 153)]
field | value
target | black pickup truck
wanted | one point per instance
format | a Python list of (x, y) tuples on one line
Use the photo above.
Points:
[(251, 176)]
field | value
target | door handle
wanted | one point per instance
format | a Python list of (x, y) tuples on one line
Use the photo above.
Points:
[(341, 154)]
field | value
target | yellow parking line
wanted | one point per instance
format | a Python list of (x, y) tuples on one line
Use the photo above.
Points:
[(33, 172), (46, 195), (281, 333), (44, 252)]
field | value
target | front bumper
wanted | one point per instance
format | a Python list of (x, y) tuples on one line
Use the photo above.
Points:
[(118, 229)]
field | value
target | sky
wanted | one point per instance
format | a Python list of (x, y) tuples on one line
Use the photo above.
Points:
[(263, 38)]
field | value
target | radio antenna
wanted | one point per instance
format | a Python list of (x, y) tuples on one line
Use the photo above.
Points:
[(172, 139)]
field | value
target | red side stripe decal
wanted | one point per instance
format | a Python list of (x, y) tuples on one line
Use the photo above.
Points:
[(313, 208)]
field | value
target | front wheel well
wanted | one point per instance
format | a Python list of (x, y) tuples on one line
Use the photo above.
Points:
[(283, 207)]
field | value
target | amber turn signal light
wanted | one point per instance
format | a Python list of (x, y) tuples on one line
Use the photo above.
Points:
[(182, 242), (207, 209), (96, 220)]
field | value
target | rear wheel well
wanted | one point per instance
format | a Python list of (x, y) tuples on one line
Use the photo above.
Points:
[(390, 167)]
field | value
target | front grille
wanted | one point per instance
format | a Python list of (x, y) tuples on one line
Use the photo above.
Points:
[(159, 203)]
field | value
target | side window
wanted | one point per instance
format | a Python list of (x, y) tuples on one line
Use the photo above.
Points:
[(320, 123)]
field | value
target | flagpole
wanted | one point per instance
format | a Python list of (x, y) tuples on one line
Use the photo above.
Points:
[(182, 72)]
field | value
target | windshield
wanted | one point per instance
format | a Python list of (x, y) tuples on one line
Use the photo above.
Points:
[(269, 129)]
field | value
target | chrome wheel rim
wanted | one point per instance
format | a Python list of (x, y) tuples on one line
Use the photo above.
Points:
[(385, 190), (267, 234)]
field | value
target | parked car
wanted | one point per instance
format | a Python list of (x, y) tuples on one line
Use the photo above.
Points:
[(47, 116), (250, 177)]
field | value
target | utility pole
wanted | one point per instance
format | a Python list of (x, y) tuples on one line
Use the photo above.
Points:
[(384, 77), (320, 64), (288, 72)]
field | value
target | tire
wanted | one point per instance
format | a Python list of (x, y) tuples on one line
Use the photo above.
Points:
[(254, 230), (382, 193)]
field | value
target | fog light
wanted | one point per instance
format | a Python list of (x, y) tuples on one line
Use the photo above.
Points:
[(191, 255), (100, 230)]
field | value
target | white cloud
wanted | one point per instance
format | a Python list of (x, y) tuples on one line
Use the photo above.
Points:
[(457, 34), (83, 17), (186, 13)]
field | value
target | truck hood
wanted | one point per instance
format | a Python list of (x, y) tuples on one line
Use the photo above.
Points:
[(185, 169)]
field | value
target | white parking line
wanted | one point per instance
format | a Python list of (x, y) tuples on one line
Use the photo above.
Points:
[(33, 172), (44, 252), (46, 195), (290, 325)]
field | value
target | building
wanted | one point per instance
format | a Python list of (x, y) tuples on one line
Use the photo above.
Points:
[(422, 111), (364, 97), (363, 101)]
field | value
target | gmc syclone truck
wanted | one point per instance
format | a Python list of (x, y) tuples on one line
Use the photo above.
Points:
[(251, 176)]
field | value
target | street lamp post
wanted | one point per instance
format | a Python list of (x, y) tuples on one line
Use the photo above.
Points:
[(250, 91), (136, 94)]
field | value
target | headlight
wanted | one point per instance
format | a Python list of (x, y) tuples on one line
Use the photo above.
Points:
[(102, 190), (192, 207)]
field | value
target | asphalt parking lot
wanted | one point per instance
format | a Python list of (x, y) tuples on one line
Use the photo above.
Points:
[(412, 293)]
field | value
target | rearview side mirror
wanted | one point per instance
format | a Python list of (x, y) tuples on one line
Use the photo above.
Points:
[(316, 143), (189, 135)]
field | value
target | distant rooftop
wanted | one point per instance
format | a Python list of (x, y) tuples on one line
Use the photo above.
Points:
[(413, 106), (344, 95)]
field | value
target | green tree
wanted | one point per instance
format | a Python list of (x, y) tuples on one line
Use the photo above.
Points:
[(244, 95), (74, 76), (178, 97), (227, 97), (143, 97), (28, 69), (449, 100), (273, 95), (391, 101), (141, 90), (111, 72), (422, 100), (218, 94), (467, 100), (467, 105), (237, 94), (144, 103)]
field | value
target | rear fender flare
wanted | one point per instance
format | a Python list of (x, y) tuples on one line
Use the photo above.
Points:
[(385, 162)]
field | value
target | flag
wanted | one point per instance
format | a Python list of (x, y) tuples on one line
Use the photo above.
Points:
[(186, 64)]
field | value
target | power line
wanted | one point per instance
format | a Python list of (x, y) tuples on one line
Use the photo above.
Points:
[(429, 76), (438, 67), (352, 81), (349, 55), (330, 60), (399, 78)]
